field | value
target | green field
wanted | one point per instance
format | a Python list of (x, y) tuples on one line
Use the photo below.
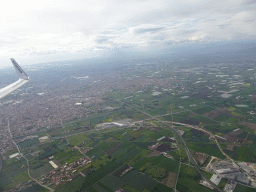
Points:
[(41, 170), (12, 165), (35, 188), (243, 153), (28, 143), (242, 135), (95, 153), (97, 163), (210, 149), (72, 186), (161, 161), (242, 188), (143, 145), (195, 136), (219, 129), (139, 181), (189, 93), (112, 182), (203, 110), (222, 183), (78, 139), (142, 154), (188, 180), (11, 180), (161, 188), (129, 154), (153, 171), (175, 154), (67, 155), (130, 188), (99, 174)]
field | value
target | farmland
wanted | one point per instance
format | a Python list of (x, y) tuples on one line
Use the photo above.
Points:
[(139, 181), (73, 186), (188, 179), (210, 149), (243, 153), (100, 174), (242, 188), (125, 141), (28, 143)]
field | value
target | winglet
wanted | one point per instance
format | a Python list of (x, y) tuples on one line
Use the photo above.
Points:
[(20, 72)]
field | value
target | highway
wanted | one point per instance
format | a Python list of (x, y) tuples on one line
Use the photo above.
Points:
[(221, 150), (184, 143), (175, 130)]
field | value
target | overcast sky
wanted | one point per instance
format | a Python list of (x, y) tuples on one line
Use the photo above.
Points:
[(47, 30)]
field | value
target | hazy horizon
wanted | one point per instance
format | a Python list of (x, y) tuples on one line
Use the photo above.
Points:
[(45, 31)]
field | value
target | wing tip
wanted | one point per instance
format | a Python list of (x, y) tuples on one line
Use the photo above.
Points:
[(21, 73)]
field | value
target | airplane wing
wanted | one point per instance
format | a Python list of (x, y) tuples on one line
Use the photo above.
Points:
[(23, 79)]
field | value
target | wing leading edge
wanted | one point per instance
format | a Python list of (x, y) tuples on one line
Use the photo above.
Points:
[(23, 79)]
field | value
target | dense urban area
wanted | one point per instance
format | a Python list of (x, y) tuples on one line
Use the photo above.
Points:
[(127, 126)]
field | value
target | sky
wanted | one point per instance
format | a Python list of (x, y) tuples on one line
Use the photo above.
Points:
[(33, 31)]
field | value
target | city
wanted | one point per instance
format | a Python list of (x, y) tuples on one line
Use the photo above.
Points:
[(156, 120)]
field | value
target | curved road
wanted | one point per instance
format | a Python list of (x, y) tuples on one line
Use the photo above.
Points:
[(184, 143)]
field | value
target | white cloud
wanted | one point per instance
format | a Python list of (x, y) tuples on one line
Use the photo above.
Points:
[(62, 26)]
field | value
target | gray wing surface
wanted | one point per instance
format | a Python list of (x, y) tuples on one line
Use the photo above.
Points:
[(23, 79)]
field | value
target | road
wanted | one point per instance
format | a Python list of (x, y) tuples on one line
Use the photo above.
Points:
[(50, 189), (1, 163), (213, 136), (221, 150), (184, 143), (77, 133), (70, 123), (152, 117)]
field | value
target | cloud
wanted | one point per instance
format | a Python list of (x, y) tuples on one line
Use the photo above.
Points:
[(103, 39), (146, 29), (249, 2), (65, 26)]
